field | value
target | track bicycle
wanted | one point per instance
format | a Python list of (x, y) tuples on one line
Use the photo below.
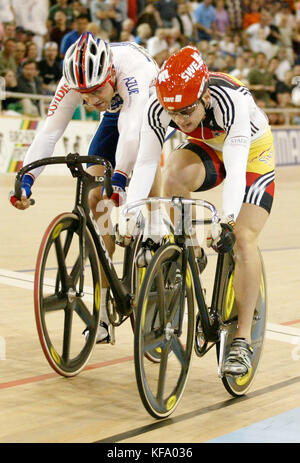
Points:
[(170, 290), (67, 276)]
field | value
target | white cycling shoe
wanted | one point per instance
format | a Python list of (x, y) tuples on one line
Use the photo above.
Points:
[(103, 336)]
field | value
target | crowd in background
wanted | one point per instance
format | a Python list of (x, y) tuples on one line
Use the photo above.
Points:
[(256, 41)]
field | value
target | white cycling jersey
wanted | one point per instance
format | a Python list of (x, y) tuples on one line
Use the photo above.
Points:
[(232, 122), (136, 72)]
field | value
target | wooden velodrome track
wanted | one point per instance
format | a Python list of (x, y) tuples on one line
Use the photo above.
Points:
[(102, 403)]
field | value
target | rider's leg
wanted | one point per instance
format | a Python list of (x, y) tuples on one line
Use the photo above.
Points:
[(247, 276), (102, 217)]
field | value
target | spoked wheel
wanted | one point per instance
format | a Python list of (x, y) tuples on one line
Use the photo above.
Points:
[(61, 313), (164, 324), (237, 386)]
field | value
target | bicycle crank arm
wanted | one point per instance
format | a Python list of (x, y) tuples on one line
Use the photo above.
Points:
[(112, 336), (223, 339)]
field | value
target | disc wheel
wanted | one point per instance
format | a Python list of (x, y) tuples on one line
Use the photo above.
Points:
[(61, 313), (162, 304)]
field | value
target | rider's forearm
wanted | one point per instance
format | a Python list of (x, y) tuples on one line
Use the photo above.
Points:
[(235, 158)]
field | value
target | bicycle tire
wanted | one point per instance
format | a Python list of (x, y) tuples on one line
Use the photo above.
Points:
[(56, 300), (238, 386), (161, 385)]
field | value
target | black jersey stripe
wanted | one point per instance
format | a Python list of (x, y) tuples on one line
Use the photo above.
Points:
[(226, 106), (154, 113)]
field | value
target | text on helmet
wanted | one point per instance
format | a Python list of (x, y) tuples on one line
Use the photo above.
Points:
[(192, 68)]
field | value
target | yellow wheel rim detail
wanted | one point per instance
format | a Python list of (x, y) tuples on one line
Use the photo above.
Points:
[(188, 278), (144, 313), (171, 402), (55, 355), (97, 296), (242, 380), (229, 299), (57, 231)]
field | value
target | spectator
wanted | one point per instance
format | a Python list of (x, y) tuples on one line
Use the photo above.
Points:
[(20, 34), (256, 36), (144, 33), (204, 16), (6, 12), (286, 13), (107, 15), (94, 28), (20, 56), (241, 70), (222, 24), (33, 16), (261, 81), (284, 63), (49, 68), (78, 9), (150, 16), (62, 5), (9, 31), (253, 16), (28, 82), (127, 31), (167, 10), (226, 44), (186, 21), (158, 49), (81, 26), (60, 28), (213, 58), (132, 10), (7, 56), (11, 85), (31, 51)]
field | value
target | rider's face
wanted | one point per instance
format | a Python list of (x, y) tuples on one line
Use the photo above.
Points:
[(189, 123), (100, 98)]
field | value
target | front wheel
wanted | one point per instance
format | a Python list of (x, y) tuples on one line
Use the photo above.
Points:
[(238, 386), (164, 324), (61, 313)]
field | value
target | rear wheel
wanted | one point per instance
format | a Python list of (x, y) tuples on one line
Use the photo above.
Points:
[(237, 386), (61, 313), (162, 306)]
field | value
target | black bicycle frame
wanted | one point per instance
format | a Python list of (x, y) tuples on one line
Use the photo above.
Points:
[(209, 316), (85, 182)]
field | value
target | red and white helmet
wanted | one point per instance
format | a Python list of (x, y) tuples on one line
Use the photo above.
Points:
[(87, 63), (182, 79)]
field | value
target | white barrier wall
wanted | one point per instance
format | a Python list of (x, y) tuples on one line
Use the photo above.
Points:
[(16, 135)]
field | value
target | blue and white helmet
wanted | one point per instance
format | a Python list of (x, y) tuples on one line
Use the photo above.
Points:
[(87, 63)]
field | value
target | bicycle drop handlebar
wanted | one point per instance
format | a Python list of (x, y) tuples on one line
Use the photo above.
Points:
[(74, 162), (178, 202)]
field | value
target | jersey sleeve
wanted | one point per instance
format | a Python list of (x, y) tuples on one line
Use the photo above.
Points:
[(135, 92), (234, 115), (60, 112), (154, 127)]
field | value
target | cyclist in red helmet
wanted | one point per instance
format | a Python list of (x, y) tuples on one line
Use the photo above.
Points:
[(229, 140)]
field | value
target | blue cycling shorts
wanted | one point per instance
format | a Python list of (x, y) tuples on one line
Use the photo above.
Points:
[(106, 138)]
